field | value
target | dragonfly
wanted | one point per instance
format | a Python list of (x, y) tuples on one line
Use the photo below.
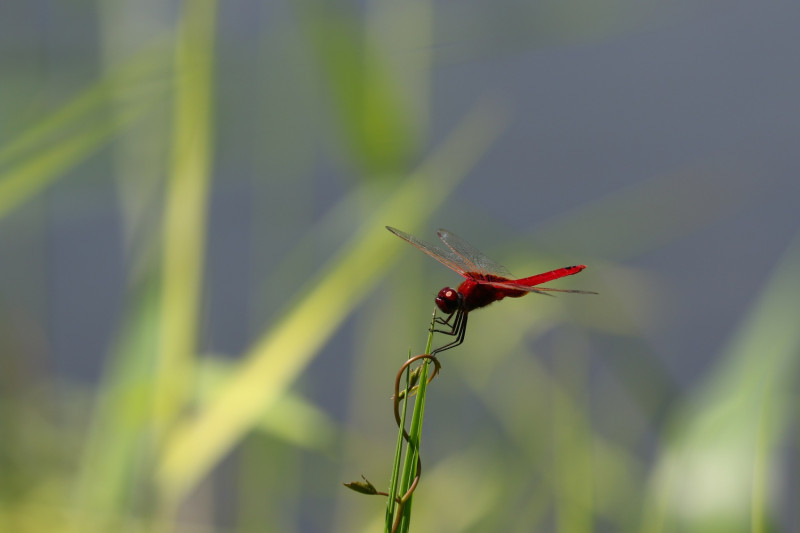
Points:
[(485, 282)]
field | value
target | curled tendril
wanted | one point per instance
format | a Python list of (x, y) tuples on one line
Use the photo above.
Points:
[(396, 397)]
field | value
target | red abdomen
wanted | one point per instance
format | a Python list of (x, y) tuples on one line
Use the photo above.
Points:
[(538, 279)]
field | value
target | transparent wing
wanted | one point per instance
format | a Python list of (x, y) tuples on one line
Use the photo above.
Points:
[(446, 257), (573, 291), (527, 288), (471, 256)]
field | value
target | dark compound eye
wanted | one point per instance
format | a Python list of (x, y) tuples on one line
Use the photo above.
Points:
[(448, 300)]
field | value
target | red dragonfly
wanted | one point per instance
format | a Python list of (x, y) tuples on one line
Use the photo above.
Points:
[(486, 281)]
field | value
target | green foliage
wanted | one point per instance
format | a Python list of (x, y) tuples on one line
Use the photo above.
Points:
[(511, 441)]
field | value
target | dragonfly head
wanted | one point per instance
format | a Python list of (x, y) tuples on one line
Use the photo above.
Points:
[(448, 300)]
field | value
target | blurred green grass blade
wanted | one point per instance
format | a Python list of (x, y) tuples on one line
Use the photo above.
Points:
[(30, 176), (69, 135), (146, 66), (704, 479), (401, 35), (761, 466), (184, 230), (282, 353), (572, 447), (471, 29), (653, 203), (117, 449), (551, 426), (291, 418), (299, 423), (473, 478), (381, 118)]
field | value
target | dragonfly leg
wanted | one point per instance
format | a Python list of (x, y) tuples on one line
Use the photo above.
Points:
[(459, 330), (445, 321), (452, 329)]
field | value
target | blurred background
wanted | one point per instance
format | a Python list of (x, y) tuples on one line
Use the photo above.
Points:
[(201, 313)]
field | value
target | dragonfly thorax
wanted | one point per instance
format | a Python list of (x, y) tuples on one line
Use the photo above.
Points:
[(448, 300)]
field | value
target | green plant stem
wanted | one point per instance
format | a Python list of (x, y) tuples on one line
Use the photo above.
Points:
[(412, 452), (390, 503)]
